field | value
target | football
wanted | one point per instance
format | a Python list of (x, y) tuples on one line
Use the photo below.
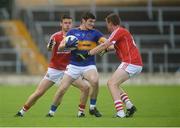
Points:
[(71, 42)]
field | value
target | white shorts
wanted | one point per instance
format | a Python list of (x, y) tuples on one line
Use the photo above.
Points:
[(76, 71), (54, 75), (131, 69)]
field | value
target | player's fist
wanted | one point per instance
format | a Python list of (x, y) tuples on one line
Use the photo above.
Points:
[(71, 42)]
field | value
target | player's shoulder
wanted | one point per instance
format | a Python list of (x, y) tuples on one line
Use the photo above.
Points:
[(123, 29), (96, 31), (74, 29), (59, 33)]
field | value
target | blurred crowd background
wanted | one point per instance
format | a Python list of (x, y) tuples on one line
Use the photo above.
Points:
[(26, 25)]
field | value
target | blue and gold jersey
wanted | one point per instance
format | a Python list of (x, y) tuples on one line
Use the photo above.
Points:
[(88, 39)]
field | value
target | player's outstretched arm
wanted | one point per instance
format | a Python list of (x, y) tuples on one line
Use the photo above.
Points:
[(110, 48), (100, 48), (96, 50), (62, 45)]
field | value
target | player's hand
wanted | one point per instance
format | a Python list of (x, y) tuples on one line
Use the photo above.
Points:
[(51, 44), (103, 52), (82, 56), (71, 44)]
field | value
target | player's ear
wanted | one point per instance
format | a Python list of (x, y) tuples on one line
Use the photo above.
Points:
[(60, 23), (83, 20)]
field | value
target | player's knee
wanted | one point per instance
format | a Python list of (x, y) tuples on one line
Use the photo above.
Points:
[(86, 88), (110, 83), (94, 83), (39, 93), (62, 91)]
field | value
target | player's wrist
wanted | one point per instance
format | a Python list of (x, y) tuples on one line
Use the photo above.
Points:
[(89, 53)]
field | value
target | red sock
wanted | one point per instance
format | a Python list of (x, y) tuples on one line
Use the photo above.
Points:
[(118, 105), (124, 97), (26, 107), (82, 107)]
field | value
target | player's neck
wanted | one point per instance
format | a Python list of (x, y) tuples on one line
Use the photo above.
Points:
[(64, 32), (115, 27)]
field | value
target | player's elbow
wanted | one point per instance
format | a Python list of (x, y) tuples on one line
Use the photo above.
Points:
[(48, 48)]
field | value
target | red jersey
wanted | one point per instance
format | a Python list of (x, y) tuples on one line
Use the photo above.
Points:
[(59, 60), (125, 46)]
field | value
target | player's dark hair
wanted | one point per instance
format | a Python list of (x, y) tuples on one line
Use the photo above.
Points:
[(65, 16), (113, 18), (88, 15)]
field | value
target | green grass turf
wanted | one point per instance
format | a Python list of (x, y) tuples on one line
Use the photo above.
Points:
[(157, 106)]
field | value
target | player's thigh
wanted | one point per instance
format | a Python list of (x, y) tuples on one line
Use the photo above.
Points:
[(44, 85), (73, 71), (81, 83), (54, 75), (118, 77), (92, 76), (65, 82)]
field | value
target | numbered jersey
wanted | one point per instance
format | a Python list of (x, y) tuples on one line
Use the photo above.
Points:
[(125, 46), (88, 39), (59, 60)]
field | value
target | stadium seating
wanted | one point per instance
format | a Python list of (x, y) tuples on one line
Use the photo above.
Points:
[(155, 29), (20, 47), (8, 56)]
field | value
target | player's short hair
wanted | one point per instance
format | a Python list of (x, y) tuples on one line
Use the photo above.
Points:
[(65, 16), (88, 15), (113, 18)]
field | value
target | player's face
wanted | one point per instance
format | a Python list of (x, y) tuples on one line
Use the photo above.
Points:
[(89, 23), (66, 24)]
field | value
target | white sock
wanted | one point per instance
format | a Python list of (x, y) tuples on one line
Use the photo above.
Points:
[(121, 113), (22, 111), (129, 104), (51, 112), (79, 113), (92, 107)]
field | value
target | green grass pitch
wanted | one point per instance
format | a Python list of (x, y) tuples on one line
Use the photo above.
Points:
[(157, 106)]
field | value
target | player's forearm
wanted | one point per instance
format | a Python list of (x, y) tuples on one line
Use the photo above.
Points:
[(62, 46), (110, 48), (99, 48)]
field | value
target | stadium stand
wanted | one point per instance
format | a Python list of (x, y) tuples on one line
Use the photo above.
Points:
[(26, 49), (7, 55), (155, 26)]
